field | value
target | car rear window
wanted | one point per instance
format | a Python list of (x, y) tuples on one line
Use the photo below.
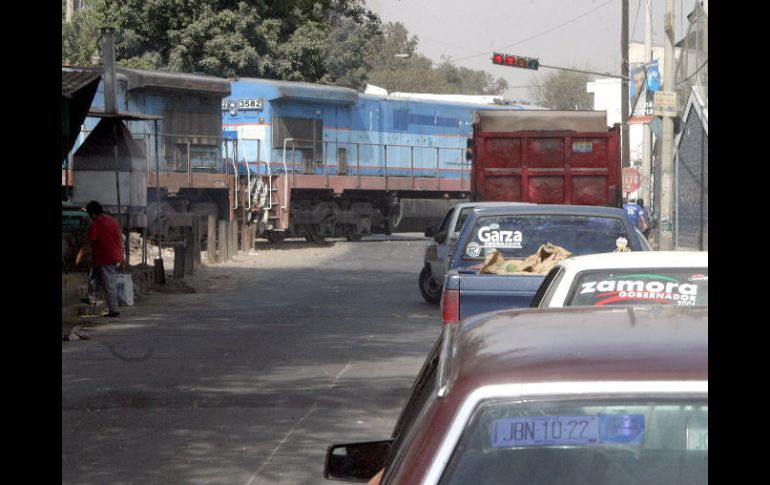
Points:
[(464, 213), (667, 286), (519, 236), (587, 442)]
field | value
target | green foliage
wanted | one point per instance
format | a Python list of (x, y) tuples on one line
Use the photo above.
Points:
[(336, 42), (562, 90), (285, 39), (416, 73), (80, 37)]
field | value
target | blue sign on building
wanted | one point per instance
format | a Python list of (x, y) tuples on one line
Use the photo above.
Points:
[(653, 76)]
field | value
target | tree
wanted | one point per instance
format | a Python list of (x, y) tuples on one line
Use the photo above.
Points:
[(336, 42), (562, 90), (279, 39), (412, 72)]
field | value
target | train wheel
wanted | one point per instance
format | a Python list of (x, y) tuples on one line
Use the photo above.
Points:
[(351, 234), (313, 234)]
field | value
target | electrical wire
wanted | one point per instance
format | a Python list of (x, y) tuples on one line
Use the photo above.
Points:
[(539, 34), (693, 74), (466, 48), (636, 17)]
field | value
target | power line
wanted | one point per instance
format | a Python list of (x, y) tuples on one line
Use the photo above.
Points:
[(693, 74), (636, 17), (466, 48), (539, 34)]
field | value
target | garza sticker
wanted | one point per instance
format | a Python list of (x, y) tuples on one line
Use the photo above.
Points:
[(492, 237), (473, 249), (641, 287)]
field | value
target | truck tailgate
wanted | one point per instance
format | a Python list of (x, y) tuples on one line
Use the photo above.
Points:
[(489, 292)]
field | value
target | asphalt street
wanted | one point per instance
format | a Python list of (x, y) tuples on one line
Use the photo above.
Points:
[(248, 379)]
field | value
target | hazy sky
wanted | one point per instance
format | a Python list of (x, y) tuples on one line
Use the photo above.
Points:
[(468, 31)]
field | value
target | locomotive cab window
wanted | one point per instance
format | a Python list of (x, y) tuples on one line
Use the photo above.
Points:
[(306, 145)]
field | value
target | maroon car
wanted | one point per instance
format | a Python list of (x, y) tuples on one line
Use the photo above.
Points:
[(542, 396)]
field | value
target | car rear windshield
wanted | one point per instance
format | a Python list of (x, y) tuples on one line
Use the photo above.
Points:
[(519, 236), (671, 286), (597, 443)]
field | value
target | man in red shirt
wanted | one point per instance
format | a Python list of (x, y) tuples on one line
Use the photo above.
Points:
[(107, 256)]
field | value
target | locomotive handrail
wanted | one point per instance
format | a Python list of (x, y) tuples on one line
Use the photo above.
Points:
[(286, 178), (248, 179), (269, 180), (235, 172), (385, 147)]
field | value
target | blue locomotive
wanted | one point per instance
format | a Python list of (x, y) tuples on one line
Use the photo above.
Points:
[(325, 160)]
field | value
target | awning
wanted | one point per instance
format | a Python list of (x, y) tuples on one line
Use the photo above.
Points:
[(78, 87)]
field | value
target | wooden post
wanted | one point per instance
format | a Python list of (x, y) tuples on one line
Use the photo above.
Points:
[(252, 235), (245, 230), (234, 239), (178, 261), (222, 242), (189, 247), (212, 240), (197, 223)]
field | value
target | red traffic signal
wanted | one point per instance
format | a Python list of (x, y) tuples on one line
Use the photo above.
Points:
[(515, 61)]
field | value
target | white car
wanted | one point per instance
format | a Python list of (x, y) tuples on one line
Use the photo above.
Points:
[(627, 278)]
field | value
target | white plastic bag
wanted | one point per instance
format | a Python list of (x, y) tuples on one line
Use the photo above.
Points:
[(125, 289)]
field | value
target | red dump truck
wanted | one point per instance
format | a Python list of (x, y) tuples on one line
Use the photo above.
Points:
[(546, 157)]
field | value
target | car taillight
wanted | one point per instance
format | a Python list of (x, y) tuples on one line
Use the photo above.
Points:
[(450, 306)]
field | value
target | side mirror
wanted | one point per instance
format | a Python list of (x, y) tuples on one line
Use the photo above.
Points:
[(430, 231), (357, 462), (440, 237)]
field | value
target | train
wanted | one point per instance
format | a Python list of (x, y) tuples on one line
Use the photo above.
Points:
[(325, 161), (292, 159)]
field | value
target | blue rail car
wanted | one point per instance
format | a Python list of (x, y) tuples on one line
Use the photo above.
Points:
[(175, 120)]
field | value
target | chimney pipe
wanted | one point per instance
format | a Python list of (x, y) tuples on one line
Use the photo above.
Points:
[(108, 70)]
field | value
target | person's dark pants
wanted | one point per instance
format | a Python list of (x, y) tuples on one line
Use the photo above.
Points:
[(104, 278)]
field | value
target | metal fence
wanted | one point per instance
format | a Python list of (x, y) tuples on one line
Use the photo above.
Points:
[(691, 203)]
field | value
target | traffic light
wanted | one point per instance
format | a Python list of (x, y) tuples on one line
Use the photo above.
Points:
[(515, 61)]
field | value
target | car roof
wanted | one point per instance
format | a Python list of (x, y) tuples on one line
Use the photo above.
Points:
[(555, 209), (641, 343), (637, 259)]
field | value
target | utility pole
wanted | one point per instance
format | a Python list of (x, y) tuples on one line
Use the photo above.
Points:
[(625, 154), (666, 242), (647, 140)]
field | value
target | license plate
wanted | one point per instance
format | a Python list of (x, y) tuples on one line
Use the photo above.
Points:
[(613, 429), (545, 430)]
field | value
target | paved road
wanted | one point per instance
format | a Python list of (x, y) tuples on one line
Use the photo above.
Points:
[(247, 380)]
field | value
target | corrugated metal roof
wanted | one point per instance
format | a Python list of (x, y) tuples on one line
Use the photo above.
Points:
[(212, 85), (75, 78)]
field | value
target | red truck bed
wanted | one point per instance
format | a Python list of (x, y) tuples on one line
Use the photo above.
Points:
[(547, 166)]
